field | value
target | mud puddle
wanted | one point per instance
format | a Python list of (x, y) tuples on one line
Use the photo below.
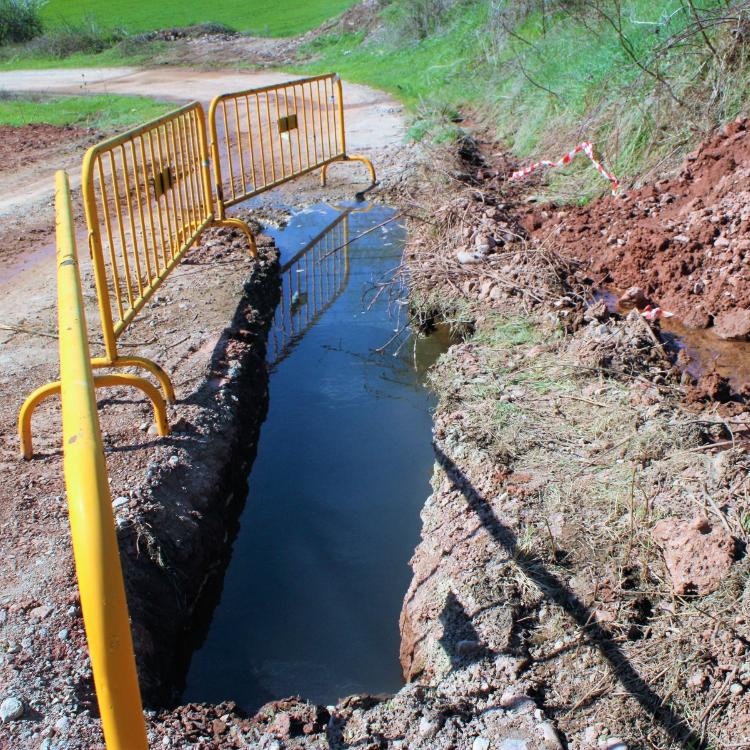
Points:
[(702, 350), (312, 595)]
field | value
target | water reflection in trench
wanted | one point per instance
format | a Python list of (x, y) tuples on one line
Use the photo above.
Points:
[(319, 569)]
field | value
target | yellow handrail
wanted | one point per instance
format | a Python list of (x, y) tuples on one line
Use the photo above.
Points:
[(97, 559)]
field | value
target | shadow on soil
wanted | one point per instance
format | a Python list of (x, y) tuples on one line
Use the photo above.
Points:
[(554, 590)]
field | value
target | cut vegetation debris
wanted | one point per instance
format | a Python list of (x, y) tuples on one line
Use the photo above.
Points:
[(102, 112)]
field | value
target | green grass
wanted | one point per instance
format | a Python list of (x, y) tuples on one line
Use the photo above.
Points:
[(114, 57), (555, 81), (261, 17), (104, 112)]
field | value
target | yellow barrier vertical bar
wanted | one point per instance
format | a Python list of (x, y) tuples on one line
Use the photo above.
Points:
[(239, 144), (270, 137), (260, 136), (188, 172), (121, 228), (279, 140), (197, 162), (177, 189), (307, 134), (151, 224), (97, 254), (168, 212), (156, 162), (250, 142), (110, 234), (203, 143), (229, 149), (195, 171), (328, 118), (141, 213), (131, 221), (290, 131), (341, 128), (297, 129), (100, 582)]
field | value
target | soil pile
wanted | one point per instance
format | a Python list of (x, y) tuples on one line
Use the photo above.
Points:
[(683, 241)]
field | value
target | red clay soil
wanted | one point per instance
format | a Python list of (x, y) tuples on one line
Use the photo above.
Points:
[(25, 144), (683, 241)]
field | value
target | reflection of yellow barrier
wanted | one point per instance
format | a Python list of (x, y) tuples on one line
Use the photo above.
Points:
[(147, 195), (311, 282), (263, 137), (92, 525)]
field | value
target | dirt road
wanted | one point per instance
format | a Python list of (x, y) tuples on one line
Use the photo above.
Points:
[(34, 537)]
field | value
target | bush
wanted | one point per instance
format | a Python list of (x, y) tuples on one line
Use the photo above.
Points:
[(86, 37), (19, 20), (416, 19)]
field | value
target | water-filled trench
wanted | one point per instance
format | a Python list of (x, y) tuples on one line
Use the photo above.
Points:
[(312, 594)]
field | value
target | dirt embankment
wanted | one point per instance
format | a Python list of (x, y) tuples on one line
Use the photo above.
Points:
[(586, 532), (684, 241)]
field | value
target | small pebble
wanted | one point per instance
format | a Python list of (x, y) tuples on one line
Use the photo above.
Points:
[(550, 736), (426, 727), (120, 501), (174, 461), (11, 709), (735, 688), (481, 743), (62, 724), (63, 635)]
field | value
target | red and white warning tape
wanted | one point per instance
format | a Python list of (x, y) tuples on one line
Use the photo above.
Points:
[(587, 147)]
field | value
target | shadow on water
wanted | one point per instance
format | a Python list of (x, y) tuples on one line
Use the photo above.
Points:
[(312, 594)]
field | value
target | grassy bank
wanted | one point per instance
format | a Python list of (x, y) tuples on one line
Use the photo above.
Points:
[(104, 112), (643, 78), (261, 17)]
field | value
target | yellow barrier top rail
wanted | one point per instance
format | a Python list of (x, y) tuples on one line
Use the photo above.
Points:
[(95, 548)]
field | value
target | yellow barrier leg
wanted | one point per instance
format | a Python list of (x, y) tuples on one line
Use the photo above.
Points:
[(363, 159), (24, 416), (100, 381), (244, 228), (144, 364), (126, 380)]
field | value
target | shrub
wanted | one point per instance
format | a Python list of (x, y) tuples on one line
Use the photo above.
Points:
[(86, 37), (19, 20), (416, 19)]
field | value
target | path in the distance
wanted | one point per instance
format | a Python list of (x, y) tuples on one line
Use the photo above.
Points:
[(373, 119)]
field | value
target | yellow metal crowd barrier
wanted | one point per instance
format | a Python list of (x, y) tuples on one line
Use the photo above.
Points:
[(147, 197), (97, 559), (264, 137), (311, 282)]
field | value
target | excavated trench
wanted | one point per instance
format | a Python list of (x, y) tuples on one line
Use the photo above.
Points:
[(311, 597)]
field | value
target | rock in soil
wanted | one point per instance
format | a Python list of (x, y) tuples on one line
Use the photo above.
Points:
[(697, 554)]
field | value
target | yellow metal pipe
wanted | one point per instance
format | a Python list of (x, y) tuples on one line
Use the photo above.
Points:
[(100, 582)]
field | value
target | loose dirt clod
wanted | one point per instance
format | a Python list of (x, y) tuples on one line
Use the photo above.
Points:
[(698, 554)]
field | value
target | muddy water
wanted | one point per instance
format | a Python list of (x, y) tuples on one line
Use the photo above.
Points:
[(313, 592)]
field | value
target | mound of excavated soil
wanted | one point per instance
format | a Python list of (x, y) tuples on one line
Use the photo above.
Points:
[(683, 241)]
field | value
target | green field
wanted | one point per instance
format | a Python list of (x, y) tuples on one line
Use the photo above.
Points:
[(260, 17), (104, 112)]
